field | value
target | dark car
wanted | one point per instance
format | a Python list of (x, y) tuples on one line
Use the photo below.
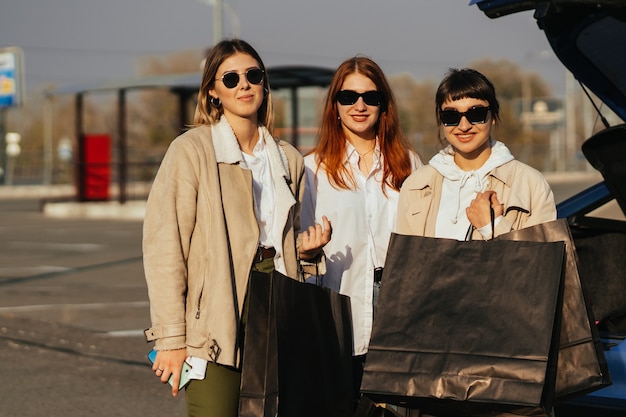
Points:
[(589, 38)]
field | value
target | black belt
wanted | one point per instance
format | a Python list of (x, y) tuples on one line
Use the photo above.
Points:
[(378, 274), (264, 253)]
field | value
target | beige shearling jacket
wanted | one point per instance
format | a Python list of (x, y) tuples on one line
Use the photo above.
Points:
[(527, 197), (185, 246)]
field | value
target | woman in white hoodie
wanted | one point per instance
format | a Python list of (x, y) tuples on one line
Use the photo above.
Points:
[(474, 181)]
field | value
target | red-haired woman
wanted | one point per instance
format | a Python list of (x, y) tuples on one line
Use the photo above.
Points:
[(354, 175)]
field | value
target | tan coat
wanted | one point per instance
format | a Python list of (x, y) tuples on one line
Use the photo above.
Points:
[(526, 195), (186, 256)]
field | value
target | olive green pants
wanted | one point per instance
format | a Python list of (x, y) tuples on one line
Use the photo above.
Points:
[(217, 395)]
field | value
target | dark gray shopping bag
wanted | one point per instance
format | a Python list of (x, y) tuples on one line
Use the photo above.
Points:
[(467, 327), (581, 365), (297, 358)]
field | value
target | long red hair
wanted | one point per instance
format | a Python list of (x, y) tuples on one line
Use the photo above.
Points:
[(331, 142)]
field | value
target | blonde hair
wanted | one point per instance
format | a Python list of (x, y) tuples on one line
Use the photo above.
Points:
[(208, 113)]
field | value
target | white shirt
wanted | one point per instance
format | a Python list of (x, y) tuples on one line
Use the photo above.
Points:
[(263, 190), (362, 220)]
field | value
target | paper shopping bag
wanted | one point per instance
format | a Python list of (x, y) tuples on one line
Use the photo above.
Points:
[(467, 328), (581, 365), (297, 359)]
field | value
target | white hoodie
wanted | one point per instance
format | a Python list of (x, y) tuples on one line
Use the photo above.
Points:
[(460, 188)]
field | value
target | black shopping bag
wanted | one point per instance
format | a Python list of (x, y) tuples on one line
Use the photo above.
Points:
[(259, 374), (467, 328), (581, 365), (297, 358)]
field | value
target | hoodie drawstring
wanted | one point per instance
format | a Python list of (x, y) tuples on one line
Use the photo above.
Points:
[(478, 187)]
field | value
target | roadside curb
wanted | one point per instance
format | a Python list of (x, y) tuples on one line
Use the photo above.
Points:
[(131, 210)]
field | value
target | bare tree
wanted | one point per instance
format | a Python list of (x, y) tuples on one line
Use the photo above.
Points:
[(417, 112)]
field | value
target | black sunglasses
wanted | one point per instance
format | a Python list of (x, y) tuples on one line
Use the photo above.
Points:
[(371, 98), (231, 79), (475, 115)]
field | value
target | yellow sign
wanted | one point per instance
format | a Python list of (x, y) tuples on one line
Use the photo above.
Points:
[(7, 86)]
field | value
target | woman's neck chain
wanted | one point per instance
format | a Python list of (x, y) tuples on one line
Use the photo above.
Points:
[(362, 158), (365, 153)]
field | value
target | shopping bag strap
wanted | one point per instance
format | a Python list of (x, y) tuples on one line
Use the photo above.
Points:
[(470, 229)]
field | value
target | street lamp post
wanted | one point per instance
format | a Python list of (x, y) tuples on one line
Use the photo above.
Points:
[(218, 25), (3, 154), (217, 19), (218, 33), (12, 151)]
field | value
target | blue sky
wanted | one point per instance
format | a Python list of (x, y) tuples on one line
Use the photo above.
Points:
[(68, 42)]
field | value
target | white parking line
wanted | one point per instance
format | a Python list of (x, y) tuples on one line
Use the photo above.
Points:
[(126, 333), (89, 306), (32, 270)]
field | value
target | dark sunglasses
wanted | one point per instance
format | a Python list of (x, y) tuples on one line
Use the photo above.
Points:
[(475, 115), (231, 79), (371, 98)]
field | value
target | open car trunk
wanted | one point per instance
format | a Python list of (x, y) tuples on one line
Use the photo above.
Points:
[(589, 38)]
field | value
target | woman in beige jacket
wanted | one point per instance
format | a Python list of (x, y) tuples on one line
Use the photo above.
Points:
[(475, 178), (474, 182), (225, 203)]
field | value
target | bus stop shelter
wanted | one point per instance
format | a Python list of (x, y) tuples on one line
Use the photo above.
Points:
[(185, 88)]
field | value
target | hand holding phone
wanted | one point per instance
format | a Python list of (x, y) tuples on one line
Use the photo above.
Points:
[(184, 373)]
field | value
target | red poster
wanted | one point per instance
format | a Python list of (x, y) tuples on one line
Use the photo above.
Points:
[(96, 170)]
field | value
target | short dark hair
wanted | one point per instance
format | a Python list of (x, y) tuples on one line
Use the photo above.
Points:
[(463, 83)]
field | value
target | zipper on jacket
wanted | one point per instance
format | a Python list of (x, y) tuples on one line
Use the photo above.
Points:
[(198, 310), (204, 268)]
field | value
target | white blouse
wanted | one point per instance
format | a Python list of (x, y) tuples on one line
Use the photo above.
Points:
[(362, 220), (263, 187)]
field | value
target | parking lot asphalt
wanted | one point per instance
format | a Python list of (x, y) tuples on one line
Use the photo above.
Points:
[(73, 304)]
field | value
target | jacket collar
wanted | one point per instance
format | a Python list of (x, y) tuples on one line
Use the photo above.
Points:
[(227, 148), (424, 181), (504, 173)]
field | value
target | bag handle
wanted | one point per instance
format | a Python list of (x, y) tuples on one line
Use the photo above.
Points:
[(470, 229)]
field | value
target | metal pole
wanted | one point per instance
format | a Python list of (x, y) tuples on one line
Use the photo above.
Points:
[(295, 138), (570, 120), (526, 103), (3, 144), (121, 128), (47, 141), (217, 21), (81, 169)]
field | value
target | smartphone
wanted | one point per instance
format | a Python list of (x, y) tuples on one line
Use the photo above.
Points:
[(184, 373)]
